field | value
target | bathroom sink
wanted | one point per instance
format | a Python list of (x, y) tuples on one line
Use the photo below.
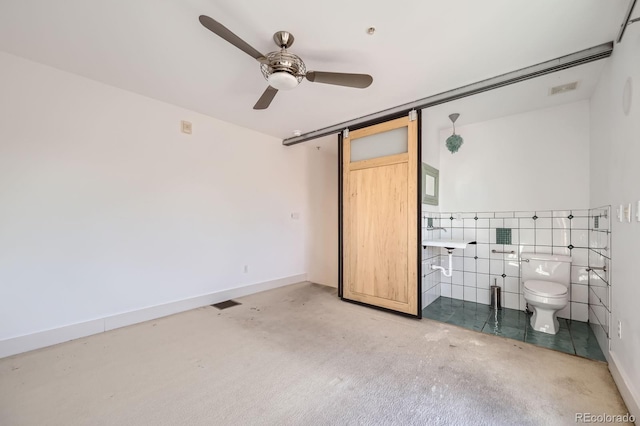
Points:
[(448, 244)]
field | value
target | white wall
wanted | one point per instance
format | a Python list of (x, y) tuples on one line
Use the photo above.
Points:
[(107, 208), (430, 149), (537, 160), (322, 174), (615, 179), (430, 140)]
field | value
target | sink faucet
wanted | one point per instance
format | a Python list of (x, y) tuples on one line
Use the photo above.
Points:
[(432, 228)]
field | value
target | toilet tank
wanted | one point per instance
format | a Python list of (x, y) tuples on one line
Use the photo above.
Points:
[(546, 267)]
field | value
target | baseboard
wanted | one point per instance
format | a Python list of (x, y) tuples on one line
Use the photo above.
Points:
[(625, 386), (20, 344), (29, 342)]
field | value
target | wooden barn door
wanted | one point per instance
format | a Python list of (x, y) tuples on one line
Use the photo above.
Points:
[(380, 216)]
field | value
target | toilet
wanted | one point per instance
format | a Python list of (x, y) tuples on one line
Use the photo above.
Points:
[(546, 279)]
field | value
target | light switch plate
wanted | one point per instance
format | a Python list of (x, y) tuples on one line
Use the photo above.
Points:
[(638, 211), (186, 127)]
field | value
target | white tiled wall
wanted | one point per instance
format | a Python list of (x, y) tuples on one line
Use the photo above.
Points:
[(477, 267), (430, 255), (599, 291)]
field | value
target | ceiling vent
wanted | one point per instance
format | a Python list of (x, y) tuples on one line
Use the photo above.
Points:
[(563, 88)]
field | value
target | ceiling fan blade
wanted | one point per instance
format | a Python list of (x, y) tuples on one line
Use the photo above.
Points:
[(359, 81), (226, 34), (266, 98)]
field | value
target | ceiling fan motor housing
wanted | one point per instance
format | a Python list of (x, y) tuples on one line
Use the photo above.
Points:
[(284, 70)]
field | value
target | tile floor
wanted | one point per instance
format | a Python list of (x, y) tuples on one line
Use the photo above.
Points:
[(574, 337)]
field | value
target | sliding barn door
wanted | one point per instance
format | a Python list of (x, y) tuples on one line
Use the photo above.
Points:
[(380, 216)]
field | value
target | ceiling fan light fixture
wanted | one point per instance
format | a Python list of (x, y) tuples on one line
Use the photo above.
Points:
[(282, 80), (283, 70)]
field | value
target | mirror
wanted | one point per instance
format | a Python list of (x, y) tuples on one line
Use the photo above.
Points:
[(430, 181)]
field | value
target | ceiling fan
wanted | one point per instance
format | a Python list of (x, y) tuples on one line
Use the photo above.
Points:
[(283, 70)]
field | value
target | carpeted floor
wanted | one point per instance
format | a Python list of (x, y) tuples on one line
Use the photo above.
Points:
[(298, 355)]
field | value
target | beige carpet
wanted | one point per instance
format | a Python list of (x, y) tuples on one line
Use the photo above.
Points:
[(298, 355)]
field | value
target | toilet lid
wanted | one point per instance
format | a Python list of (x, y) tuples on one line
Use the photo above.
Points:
[(545, 288)]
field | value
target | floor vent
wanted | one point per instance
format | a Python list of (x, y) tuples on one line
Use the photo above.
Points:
[(226, 304)]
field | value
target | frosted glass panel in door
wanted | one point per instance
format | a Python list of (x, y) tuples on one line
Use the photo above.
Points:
[(391, 142)]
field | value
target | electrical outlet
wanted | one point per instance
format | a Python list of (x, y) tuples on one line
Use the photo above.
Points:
[(246, 269), (619, 329), (619, 212)]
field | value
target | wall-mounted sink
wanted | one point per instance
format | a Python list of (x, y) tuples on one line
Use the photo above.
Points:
[(448, 244)]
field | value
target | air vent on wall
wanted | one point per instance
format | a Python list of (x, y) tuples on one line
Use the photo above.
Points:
[(563, 88)]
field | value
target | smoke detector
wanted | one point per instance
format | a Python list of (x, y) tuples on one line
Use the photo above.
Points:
[(563, 88)]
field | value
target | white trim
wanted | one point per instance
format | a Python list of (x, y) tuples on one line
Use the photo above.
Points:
[(625, 386), (41, 339), (29, 342)]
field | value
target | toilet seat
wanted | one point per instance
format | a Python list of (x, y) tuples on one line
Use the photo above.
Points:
[(545, 288)]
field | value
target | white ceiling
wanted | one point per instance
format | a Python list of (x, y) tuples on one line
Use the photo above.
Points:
[(518, 98), (158, 48)]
